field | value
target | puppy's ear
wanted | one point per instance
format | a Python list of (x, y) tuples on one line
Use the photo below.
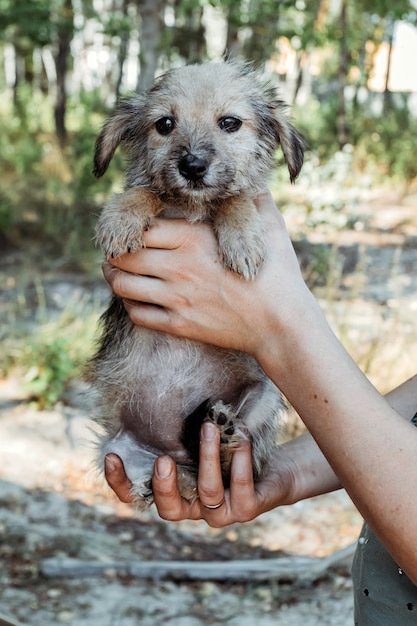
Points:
[(117, 128), (292, 145)]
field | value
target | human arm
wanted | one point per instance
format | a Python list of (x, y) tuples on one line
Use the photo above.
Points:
[(275, 318), (299, 471)]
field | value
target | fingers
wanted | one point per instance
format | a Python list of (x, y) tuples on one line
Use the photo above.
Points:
[(266, 206), (243, 497), (164, 485), (219, 507), (146, 262), (239, 503), (116, 477), (171, 505), (167, 234), (124, 283), (210, 482), (168, 500)]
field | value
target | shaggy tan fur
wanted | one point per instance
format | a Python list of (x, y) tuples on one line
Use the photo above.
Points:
[(200, 144)]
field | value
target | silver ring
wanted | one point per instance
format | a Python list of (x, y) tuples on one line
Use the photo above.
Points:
[(213, 507)]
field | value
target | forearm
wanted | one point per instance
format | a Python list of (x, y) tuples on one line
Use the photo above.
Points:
[(310, 471), (312, 474), (369, 446)]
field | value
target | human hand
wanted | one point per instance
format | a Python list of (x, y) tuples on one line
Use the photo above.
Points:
[(242, 502), (178, 285)]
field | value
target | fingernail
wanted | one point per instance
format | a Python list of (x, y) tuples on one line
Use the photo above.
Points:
[(209, 431), (109, 464), (163, 468)]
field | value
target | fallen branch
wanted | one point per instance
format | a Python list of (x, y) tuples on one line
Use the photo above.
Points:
[(283, 568)]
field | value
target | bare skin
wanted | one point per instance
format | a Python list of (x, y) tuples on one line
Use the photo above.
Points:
[(356, 435)]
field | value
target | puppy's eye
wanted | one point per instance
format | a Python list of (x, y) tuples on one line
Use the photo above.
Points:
[(165, 125), (229, 124)]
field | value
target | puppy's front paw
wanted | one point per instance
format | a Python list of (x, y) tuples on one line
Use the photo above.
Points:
[(243, 255), (241, 235), (124, 220), (121, 231)]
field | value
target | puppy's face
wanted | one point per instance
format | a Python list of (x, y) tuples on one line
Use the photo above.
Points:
[(203, 131)]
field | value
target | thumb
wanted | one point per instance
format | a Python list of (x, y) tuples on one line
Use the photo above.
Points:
[(266, 206)]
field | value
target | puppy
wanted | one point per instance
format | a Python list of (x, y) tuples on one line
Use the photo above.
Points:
[(200, 144)]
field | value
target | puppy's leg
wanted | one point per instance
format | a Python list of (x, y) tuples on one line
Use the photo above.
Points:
[(124, 219), (187, 483), (232, 433), (241, 235), (257, 418), (139, 466), (138, 463)]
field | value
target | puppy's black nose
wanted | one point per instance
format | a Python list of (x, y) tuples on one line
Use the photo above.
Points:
[(192, 167)]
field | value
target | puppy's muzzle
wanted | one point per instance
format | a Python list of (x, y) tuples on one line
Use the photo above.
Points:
[(193, 168)]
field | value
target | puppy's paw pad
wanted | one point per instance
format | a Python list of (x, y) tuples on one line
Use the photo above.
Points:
[(228, 422)]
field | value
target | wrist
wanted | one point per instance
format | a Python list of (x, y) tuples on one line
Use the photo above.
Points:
[(308, 472), (288, 333)]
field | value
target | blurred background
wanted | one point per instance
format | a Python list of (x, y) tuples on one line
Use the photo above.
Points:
[(349, 71), (347, 68)]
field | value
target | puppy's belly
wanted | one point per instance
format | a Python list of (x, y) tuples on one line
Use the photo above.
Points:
[(155, 419), (163, 385)]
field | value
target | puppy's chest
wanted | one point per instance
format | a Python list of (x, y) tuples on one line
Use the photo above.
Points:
[(192, 210)]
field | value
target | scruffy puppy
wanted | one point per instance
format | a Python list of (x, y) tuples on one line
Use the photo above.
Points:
[(200, 145)]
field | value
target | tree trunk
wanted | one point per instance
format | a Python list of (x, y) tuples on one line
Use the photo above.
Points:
[(301, 61), (122, 54), (18, 73), (65, 29), (342, 130), (387, 106), (150, 39), (233, 45)]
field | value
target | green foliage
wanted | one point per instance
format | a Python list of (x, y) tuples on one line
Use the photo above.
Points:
[(317, 121), (383, 145), (6, 211), (26, 22), (387, 144), (49, 369), (49, 352), (49, 193), (324, 268), (399, 10)]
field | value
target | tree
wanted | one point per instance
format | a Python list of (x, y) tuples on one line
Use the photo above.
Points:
[(342, 129), (150, 35), (389, 13), (63, 28), (25, 26)]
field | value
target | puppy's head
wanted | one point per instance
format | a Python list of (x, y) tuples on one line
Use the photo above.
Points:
[(207, 131)]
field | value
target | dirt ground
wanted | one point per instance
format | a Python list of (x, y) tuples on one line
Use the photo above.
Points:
[(53, 505)]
